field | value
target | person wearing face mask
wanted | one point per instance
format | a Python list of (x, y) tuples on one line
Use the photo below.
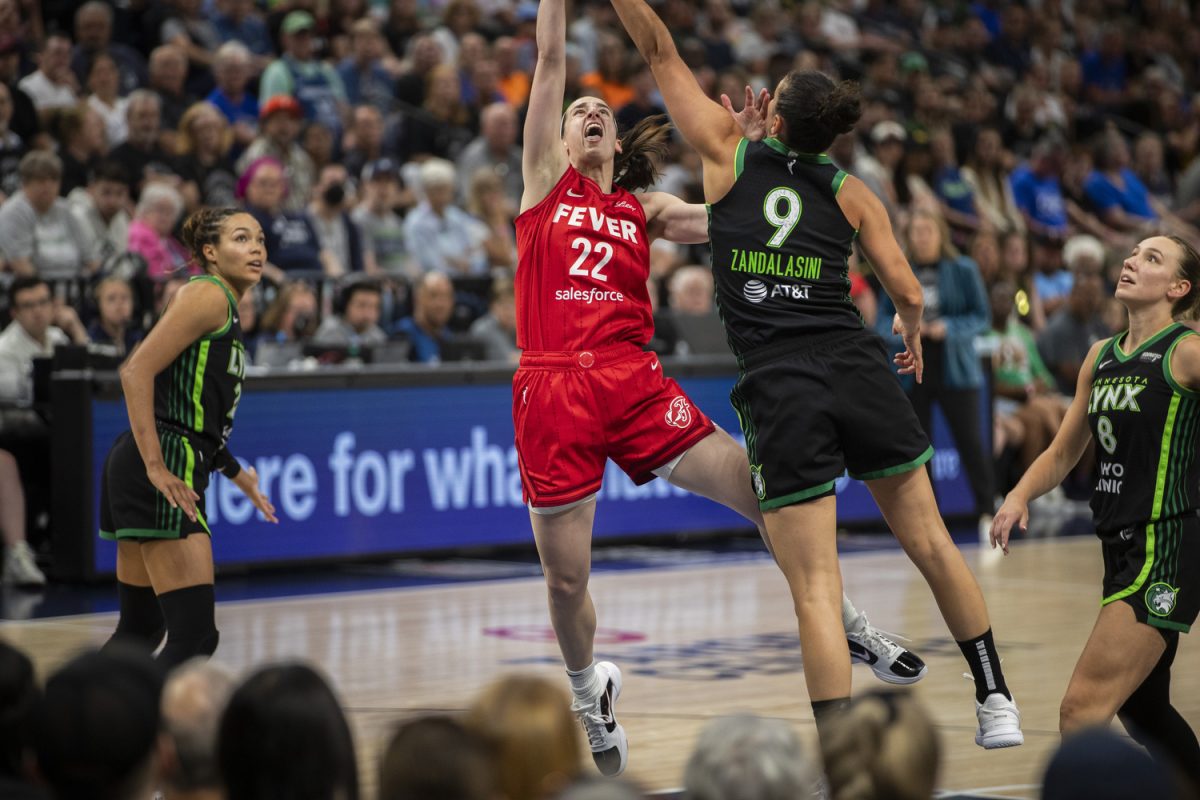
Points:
[(339, 237)]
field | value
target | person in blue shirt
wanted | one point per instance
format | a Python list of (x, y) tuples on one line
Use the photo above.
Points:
[(1120, 198), (235, 20), (232, 65), (362, 72), (426, 330), (1037, 190)]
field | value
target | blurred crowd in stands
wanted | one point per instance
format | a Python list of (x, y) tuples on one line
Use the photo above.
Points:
[(1020, 147), (109, 724)]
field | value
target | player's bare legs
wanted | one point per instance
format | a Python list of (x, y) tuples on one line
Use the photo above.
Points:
[(564, 545), (908, 505), (1118, 656), (717, 467)]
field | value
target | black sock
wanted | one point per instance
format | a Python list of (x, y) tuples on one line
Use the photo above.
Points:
[(141, 621), (1155, 724), (191, 624), (825, 711), (980, 653)]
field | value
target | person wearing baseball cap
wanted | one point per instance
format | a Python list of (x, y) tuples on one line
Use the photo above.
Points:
[(299, 74), (278, 134), (381, 226)]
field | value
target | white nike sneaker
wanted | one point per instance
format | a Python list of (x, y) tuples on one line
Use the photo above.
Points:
[(610, 748), (890, 662), (20, 567), (999, 722)]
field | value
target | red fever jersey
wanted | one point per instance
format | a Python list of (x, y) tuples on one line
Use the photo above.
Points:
[(582, 270)]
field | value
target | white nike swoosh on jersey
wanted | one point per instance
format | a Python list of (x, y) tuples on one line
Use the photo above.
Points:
[(1104, 364), (573, 193), (654, 366)]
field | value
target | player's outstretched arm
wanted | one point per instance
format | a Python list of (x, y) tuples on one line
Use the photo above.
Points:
[(544, 160), (1049, 469), (704, 123), (197, 310)]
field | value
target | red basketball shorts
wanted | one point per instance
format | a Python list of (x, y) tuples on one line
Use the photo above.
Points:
[(574, 410)]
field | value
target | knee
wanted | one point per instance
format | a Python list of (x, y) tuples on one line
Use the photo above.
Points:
[(1074, 713), (566, 587)]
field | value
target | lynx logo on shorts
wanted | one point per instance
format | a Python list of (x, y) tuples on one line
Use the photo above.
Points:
[(1160, 599), (756, 478), (679, 413)]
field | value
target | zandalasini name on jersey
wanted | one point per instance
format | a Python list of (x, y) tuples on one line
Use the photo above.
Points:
[(762, 263)]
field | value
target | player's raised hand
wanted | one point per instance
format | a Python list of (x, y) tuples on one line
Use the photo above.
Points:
[(752, 119), (247, 481), (172, 487), (1014, 511)]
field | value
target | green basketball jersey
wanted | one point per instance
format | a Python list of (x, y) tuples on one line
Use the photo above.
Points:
[(1146, 428), (780, 245), (199, 391)]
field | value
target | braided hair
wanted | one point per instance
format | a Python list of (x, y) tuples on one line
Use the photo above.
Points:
[(204, 227)]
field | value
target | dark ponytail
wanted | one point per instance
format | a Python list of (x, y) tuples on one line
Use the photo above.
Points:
[(204, 227), (1189, 269), (816, 110), (642, 148)]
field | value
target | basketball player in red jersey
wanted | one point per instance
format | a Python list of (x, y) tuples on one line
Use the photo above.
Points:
[(586, 390)]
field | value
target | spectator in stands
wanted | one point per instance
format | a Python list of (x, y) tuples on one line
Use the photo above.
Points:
[(513, 81), (93, 36), (1120, 198), (232, 68), (193, 699), (80, 133), (142, 155), (280, 121), (1015, 264), (292, 316), (878, 170), (497, 329), (644, 103), (496, 149), (443, 126), (610, 80), (53, 85), (21, 570), (988, 177), (424, 53), (884, 746), (191, 31), (1038, 192), (292, 244), (22, 696), (237, 21), (985, 252), (97, 728), (283, 734), (1105, 72), (691, 291), (442, 236), (366, 80), (249, 318), (488, 204), (38, 234), (12, 147), (1099, 764), (366, 135), (956, 311), (1149, 164), (956, 196), (104, 87), (382, 228), (1077, 325), (532, 733), (320, 144), (114, 324), (203, 147), (1026, 407), (338, 237), (158, 211), (355, 321), (168, 78), (25, 121), (100, 210), (746, 756), (437, 757), (297, 73), (432, 306)]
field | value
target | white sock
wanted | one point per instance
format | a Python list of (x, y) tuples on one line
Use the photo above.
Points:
[(583, 682), (849, 613)]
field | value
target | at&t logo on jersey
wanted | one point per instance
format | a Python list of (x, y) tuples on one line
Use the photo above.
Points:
[(756, 291), (679, 413)]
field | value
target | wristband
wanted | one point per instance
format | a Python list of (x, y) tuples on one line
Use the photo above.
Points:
[(228, 466)]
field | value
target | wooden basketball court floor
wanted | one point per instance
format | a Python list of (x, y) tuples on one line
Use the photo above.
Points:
[(694, 643)]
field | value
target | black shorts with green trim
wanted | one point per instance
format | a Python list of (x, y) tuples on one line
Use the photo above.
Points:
[(130, 506), (1155, 568), (813, 408)]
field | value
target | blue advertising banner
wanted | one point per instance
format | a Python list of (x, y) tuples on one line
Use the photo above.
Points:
[(363, 471)]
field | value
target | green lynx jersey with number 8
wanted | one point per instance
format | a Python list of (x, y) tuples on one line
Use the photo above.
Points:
[(200, 390), (1147, 428), (780, 245)]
